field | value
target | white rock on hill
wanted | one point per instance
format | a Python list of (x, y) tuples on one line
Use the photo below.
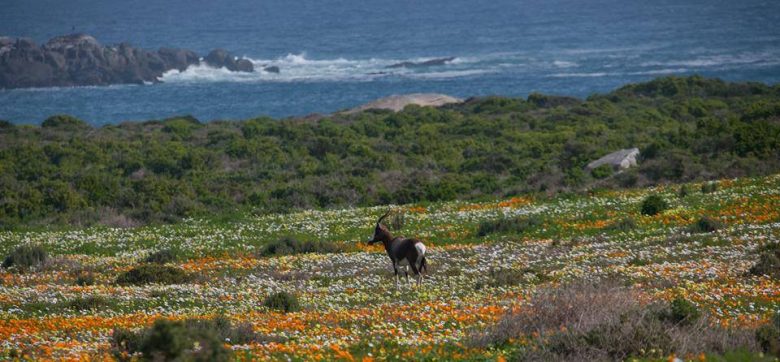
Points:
[(620, 160), (398, 102)]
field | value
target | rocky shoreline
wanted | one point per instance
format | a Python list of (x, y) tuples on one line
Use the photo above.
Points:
[(80, 60)]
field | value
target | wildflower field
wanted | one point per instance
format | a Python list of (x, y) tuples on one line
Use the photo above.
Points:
[(68, 307)]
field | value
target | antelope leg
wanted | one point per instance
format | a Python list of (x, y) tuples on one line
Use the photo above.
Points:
[(395, 268)]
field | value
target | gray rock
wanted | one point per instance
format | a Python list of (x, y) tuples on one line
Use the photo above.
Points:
[(272, 69), (221, 58), (79, 59), (178, 58), (244, 65), (619, 160)]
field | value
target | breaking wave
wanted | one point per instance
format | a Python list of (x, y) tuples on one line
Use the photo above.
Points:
[(561, 64), (299, 68)]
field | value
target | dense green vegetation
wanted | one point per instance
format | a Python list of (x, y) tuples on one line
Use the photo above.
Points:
[(160, 171)]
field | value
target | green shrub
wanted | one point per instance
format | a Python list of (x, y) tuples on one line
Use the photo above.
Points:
[(125, 341), (706, 225), (653, 205), (709, 187), (153, 273), (25, 257), (163, 256), (518, 225), (602, 171), (282, 302), (622, 225), (85, 278), (768, 264), (63, 121), (683, 311), (290, 246), (173, 340), (89, 303), (684, 191)]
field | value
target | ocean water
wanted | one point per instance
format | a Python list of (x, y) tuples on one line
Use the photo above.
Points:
[(333, 54)]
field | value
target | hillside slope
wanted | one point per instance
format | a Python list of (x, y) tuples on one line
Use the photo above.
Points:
[(486, 259), (160, 171)]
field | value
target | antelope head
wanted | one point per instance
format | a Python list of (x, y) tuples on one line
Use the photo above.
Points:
[(381, 233)]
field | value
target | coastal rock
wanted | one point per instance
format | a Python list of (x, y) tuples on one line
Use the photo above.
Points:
[(221, 58), (427, 63), (272, 69), (398, 102), (79, 59), (619, 160), (178, 58)]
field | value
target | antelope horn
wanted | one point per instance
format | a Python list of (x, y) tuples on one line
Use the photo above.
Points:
[(383, 217)]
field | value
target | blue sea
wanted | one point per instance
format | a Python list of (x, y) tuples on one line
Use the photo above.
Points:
[(333, 54)]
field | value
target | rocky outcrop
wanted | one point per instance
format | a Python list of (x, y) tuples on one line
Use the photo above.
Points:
[(619, 160), (398, 102), (219, 58), (79, 59), (427, 63)]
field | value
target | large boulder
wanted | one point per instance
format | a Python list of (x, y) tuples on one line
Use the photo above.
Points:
[(619, 160), (221, 58), (398, 102), (178, 58)]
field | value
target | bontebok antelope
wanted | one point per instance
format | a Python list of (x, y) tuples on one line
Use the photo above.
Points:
[(403, 252)]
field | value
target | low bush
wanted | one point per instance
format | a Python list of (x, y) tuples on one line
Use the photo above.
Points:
[(163, 256), (517, 225), (767, 264), (709, 187), (153, 341), (84, 279), (282, 302), (684, 191), (768, 336), (606, 321), (64, 121), (622, 225), (291, 246), (89, 303), (653, 205), (683, 311), (705, 225), (153, 273), (170, 340), (26, 257), (602, 171)]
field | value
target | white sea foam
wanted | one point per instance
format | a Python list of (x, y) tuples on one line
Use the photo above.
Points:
[(564, 64), (717, 60), (581, 75), (617, 74), (300, 68)]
